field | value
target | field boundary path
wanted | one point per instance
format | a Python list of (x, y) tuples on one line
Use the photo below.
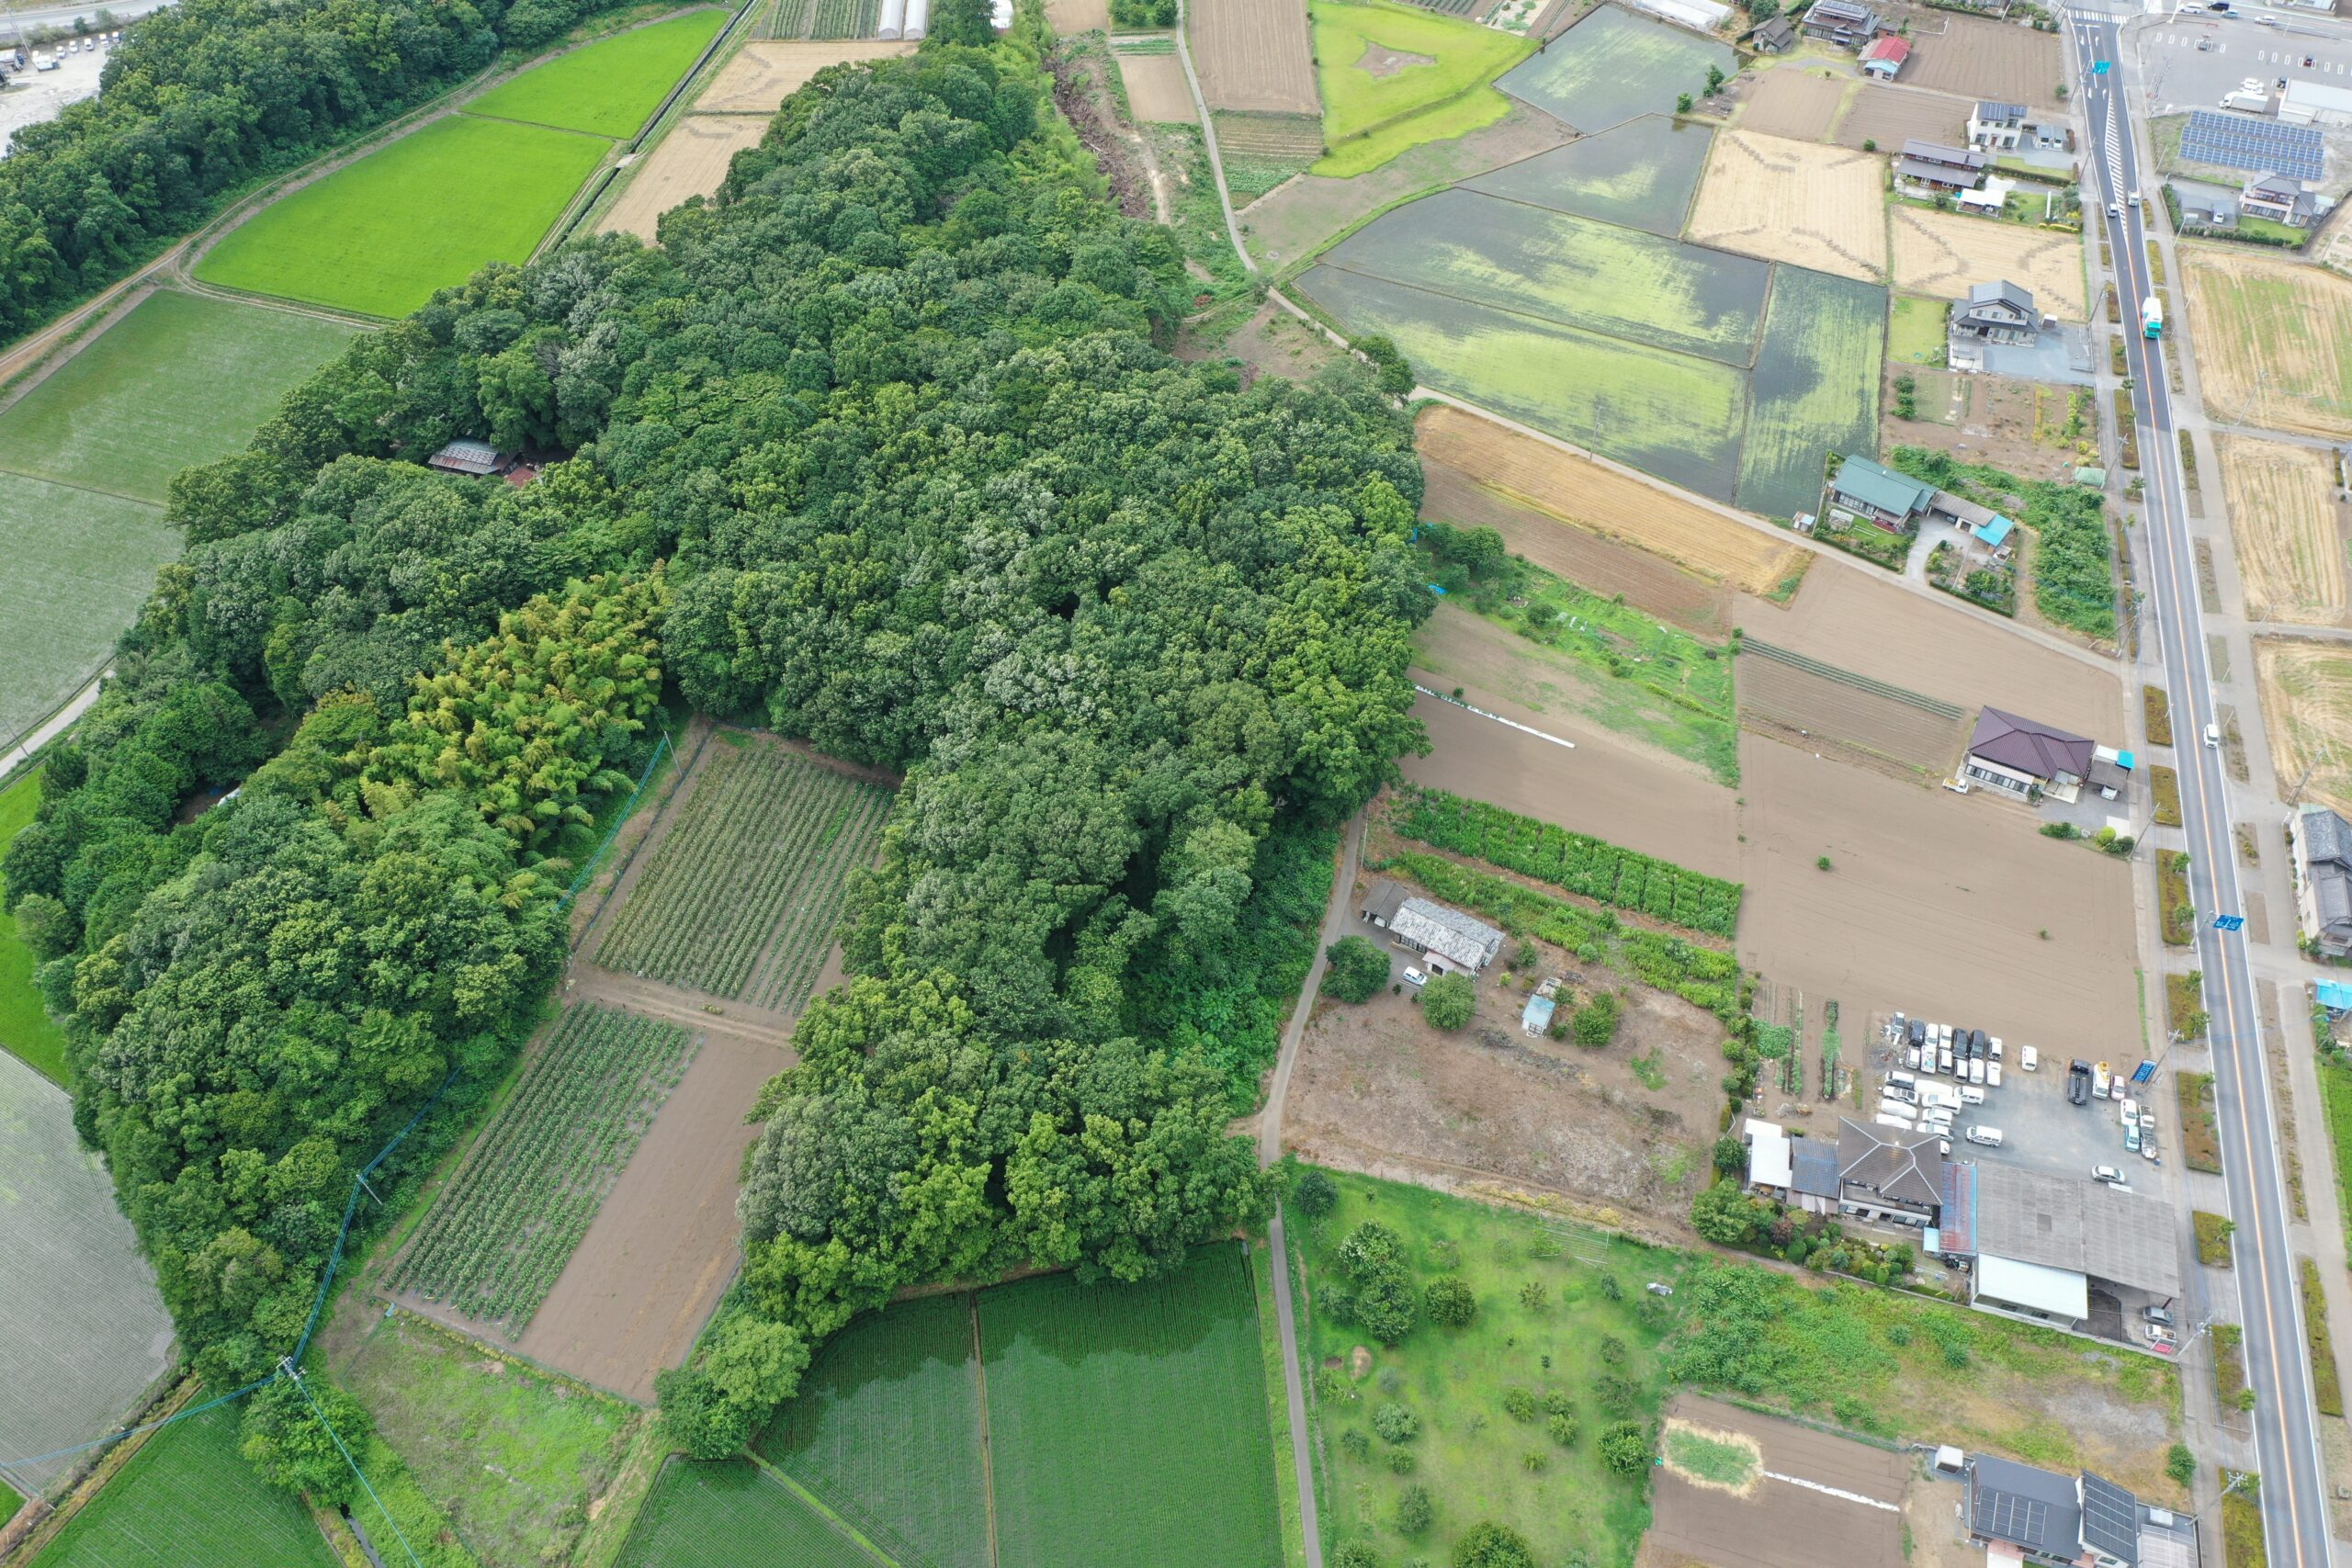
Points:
[(1232, 232)]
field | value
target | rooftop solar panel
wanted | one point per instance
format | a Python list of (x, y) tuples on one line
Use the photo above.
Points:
[(2234, 141), (2021, 1519)]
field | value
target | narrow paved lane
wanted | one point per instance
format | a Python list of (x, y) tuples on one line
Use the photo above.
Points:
[(2294, 1504)]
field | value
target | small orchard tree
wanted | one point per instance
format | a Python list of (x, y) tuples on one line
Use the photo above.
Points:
[(1358, 969), (1490, 1545), (1625, 1448), (1451, 1303), (1313, 1194), (1448, 1001)]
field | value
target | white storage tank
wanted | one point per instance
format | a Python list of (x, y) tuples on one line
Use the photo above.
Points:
[(894, 19), (917, 18)]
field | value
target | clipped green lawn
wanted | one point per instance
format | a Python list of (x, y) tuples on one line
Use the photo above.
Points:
[(1916, 330), (1394, 78), (182, 380), (609, 86), (379, 236), (25, 1027)]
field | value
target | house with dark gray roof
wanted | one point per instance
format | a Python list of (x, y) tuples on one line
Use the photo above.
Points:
[(1445, 936), (2060, 1521), (1846, 23), (2000, 311), (2019, 756), (1774, 36), (2322, 845), (1884, 1173), (1928, 167), (2279, 198)]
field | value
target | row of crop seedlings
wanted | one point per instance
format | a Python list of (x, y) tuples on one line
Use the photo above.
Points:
[(495, 1243), (1593, 867), (846, 18), (742, 898)]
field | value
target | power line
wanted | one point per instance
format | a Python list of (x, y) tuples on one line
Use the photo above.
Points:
[(287, 1368)]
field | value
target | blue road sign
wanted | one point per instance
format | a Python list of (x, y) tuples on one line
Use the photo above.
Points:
[(2100, 68), (2229, 922), (2143, 1072)]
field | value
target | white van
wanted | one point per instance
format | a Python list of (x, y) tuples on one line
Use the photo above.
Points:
[(2213, 736), (1899, 1122), (2029, 1058), (1988, 1137), (1993, 1076), (1972, 1095)]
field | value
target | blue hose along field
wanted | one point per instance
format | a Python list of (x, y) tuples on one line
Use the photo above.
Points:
[(1553, 292)]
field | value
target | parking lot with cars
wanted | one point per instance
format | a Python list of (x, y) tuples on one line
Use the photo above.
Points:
[(2194, 61)]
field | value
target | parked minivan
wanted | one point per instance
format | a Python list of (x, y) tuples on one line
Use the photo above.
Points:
[(2213, 736), (1988, 1137)]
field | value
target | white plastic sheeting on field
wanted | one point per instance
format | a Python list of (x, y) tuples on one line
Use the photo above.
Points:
[(894, 19)]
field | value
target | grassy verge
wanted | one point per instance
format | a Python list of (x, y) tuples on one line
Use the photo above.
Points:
[(2241, 1525), (2335, 1097), (2164, 785), (2172, 897), (26, 1029), (2127, 429), (2213, 1246), (2185, 1009), (2200, 1141), (1262, 1280), (2228, 1371), (2155, 707), (2327, 1385)]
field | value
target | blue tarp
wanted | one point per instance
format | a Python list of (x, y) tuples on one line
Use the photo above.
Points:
[(1993, 533), (2334, 994)]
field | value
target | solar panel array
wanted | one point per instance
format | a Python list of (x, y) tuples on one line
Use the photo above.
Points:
[(2110, 1518), (2013, 1517), (2262, 146)]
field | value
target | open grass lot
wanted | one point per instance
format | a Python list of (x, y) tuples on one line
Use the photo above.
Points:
[(513, 1456), (1613, 65), (1672, 415), (1915, 329), (1815, 390), (607, 87), (27, 1031), (181, 380), (380, 235), (733, 1513), (1642, 174), (86, 1332), (1394, 76), (1152, 1394), (189, 1497), (80, 564), (895, 1394), (2274, 341), (2290, 530), (2307, 708), (1575, 271), (1793, 201)]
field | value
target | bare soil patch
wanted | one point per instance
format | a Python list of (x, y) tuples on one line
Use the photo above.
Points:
[(1648, 582), (2014, 425), (1854, 617), (1888, 114), (769, 71), (1794, 201), (1934, 904), (1068, 16), (1255, 54), (1972, 58), (2290, 530), (1813, 711), (1491, 1100), (1382, 62), (1793, 103), (1156, 89), (1271, 342), (1776, 1523), (1583, 494), (691, 161), (1302, 217), (1943, 253)]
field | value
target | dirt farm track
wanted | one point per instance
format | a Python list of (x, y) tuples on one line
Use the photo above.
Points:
[(1255, 54), (1791, 1515)]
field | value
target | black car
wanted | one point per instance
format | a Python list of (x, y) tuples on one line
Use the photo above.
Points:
[(2078, 1085), (1979, 1044), (1918, 1034)]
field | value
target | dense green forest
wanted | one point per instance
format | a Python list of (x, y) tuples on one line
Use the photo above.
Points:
[(882, 447), (204, 95)]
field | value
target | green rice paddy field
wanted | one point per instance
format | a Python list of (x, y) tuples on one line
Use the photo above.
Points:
[(80, 564), (1814, 389), (1613, 65), (1154, 1395), (1642, 174), (380, 235), (189, 1497), (1571, 270), (733, 1513), (608, 88), (27, 1030), (1371, 117), (182, 380)]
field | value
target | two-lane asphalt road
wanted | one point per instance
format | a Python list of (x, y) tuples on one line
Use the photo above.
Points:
[(2294, 1504)]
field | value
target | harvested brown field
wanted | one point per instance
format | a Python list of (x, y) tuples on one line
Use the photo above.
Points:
[(1934, 903), (2290, 530), (1793, 201), (2307, 708), (1854, 617), (1887, 115), (1646, 582), (1943, 253), (1255, 54), (769, 71), (1068, 16), (1812, 706), (1972, 58), (1793, 104), (1377, 1087), (1848, 1512), (1584, 494), (2270, 341), (1157, 90), (691, 161)]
